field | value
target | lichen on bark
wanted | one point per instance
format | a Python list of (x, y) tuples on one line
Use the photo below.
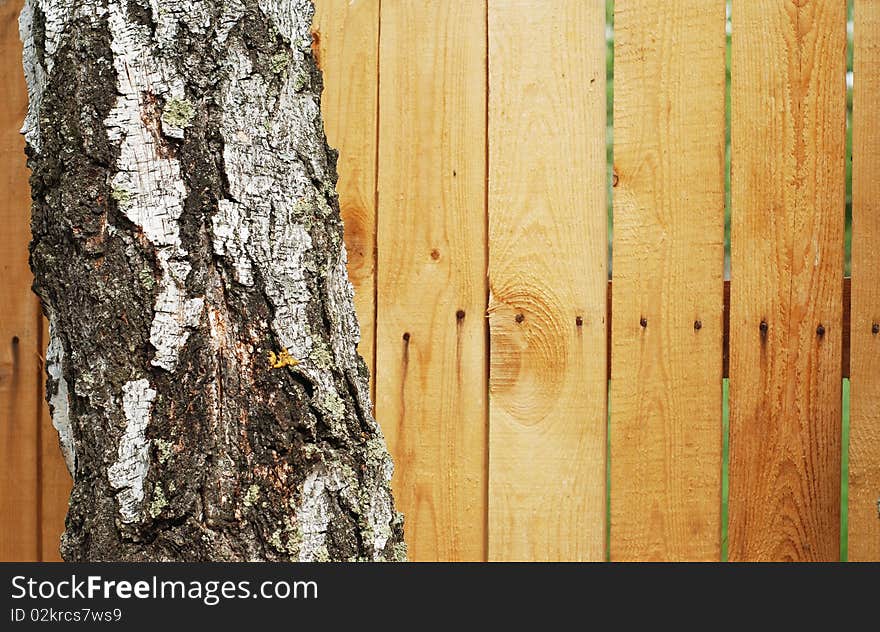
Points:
[(186, 229)]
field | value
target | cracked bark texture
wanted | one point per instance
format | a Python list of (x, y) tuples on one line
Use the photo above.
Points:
[(187, 247)]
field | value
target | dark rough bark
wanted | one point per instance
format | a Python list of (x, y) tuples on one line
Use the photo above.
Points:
[(188, 251)]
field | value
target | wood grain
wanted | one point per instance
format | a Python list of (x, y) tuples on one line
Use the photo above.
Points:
[(346, 40), (788, 136), (547, 273), (20, 368), (431, 327), (864, 438), (667, 326)]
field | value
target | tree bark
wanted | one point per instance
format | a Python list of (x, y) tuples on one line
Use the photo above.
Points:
[(187, 247)]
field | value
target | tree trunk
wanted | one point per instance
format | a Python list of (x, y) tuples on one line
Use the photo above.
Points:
[(187, 247)]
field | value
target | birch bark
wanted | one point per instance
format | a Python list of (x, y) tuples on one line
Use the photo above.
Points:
[(187, 247)]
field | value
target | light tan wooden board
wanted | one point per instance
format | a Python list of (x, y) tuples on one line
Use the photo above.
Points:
[(431, 293), (548, 278), (667, 328), (864, 438), (21, 377), (788, 136)]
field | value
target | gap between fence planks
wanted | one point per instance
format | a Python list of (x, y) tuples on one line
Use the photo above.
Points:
[(547, 271), (864, 438), (20, 367), (669, 84), (431, 328), (788, 196)]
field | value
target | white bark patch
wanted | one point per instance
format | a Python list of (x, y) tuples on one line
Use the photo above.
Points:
[(293, 19), (259, 227), (231, 235), (170, 14), (313, 516), (148, 185), (59, 401), (128, 473), (34, 73), (231, 13), (380, 516), (320, 488)]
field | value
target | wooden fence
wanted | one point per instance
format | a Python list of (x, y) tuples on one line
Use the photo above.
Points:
[(474, 188)]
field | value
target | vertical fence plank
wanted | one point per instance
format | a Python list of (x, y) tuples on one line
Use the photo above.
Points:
[(668, 279), (431, 328), (864, 447), (346, 36), (788, 135), (20, 375), (548, 275)]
